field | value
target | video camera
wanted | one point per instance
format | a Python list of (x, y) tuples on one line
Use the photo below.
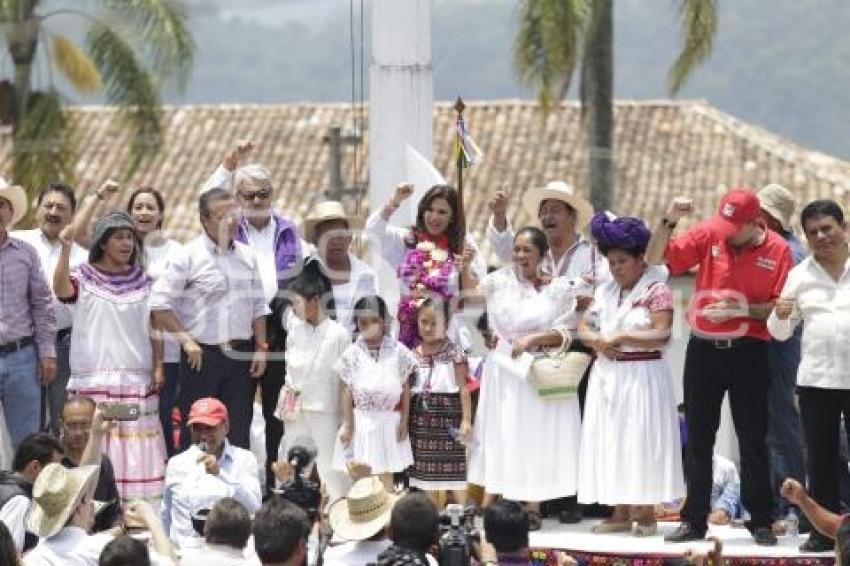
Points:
[(300, 489), (457, 535)]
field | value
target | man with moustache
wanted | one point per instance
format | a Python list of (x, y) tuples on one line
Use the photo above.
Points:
[(55, 206)]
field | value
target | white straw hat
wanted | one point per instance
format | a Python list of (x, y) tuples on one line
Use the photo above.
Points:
[(55, 496), (559, 190)]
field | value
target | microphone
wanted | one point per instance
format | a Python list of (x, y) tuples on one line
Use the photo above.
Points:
[(203, 446)]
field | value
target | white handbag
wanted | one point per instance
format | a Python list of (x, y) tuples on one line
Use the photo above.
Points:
[(557, 375)]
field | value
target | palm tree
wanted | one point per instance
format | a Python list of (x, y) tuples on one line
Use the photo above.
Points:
[(555, 35), (130, 50)]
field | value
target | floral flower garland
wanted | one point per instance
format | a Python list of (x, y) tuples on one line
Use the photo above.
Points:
[(426, 270)]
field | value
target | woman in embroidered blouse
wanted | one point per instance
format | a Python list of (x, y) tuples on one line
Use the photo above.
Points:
[(113, 355), (441, 413), (424, 255), (630, 449), (528, 447), (376, 372)]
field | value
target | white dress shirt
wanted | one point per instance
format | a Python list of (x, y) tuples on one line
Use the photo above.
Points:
[(156, 263), (48, 253), (71, 545), (14, 514), (215, 555), (189, 488), (311, 354), (823, 305), (215, 294)]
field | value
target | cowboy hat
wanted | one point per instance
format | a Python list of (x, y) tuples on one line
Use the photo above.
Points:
[(559, 190), (323, 212), (55, 496), (778, 202), (17, 196), (364, 512)]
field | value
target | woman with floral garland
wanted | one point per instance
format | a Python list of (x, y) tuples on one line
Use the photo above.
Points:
[(425, 254)]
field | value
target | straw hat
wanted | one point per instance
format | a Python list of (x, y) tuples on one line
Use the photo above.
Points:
[(559, 190), (55, 496), (364, 512), (322, 212), (17, 196), (778, 202)]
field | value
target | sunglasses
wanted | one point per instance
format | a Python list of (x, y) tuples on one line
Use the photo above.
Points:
[(262, 194)]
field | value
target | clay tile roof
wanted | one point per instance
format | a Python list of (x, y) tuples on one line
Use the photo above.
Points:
[(663, 149)]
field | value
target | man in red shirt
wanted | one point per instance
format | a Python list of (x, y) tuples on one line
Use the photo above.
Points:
[(741, 269)]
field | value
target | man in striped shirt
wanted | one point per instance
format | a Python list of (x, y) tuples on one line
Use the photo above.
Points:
[(27, 323)]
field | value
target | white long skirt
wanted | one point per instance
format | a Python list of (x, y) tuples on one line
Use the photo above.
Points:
[(374, 442), (524, 448), (630, 449)]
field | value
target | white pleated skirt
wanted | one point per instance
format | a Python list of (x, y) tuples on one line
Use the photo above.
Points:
[(630, 448), (374, 442), (524, 448)]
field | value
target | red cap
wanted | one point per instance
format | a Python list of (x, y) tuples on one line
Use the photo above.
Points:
[(737, 208), (208, 411)]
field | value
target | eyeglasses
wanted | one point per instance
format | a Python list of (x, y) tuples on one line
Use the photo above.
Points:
[(262, 194)]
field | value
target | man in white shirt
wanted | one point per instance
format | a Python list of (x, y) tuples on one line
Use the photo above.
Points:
[(34, 453), (279, 251), (55, 205), (211, 299), (208, 471), (226, 533), (62, 515), (817, 293)]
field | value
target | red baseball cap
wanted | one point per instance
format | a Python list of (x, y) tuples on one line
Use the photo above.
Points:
[(208, 411), (737, 208)]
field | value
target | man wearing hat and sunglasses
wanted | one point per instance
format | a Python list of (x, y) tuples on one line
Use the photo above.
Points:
[(328, 228), (28, 327)]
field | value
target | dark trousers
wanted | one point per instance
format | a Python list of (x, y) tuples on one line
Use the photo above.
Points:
[(785, 430), (57, 392), (744, 372), (270, 386), (223, 375), (168, 397), (821, 410)]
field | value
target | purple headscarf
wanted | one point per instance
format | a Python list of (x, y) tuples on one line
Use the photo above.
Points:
[(624, 233)]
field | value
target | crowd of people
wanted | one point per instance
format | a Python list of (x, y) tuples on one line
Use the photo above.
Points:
[(130, 365)]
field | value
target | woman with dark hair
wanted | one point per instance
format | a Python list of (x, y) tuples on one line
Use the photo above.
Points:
[(146, 207), (114, 355), (425, 254), (8, 552), (527, 448), (630, 450)]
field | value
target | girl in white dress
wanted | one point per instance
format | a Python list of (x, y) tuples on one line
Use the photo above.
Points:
[(630, 450), (526, 447), (376, 371)]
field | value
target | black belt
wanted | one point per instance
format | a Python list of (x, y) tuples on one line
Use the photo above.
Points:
[(11, 347), (728, 343)]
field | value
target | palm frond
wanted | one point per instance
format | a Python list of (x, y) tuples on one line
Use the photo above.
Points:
[(699, 28), (547, 45), (43, 150), (163, 33), (75, 64), (129, 86)]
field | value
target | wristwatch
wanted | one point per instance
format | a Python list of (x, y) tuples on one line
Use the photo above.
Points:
[(667, 223)]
